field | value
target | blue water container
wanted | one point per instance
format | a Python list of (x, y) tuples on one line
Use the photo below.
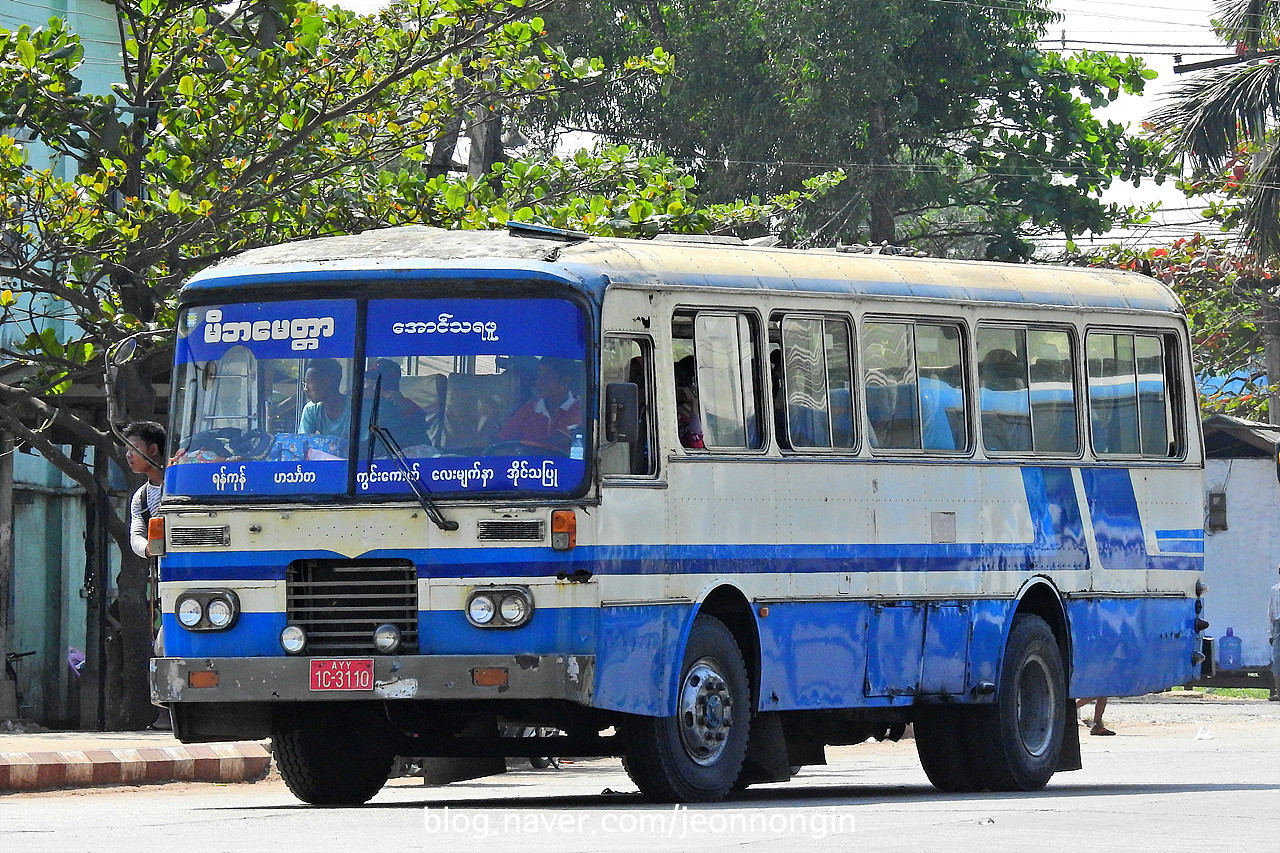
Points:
[(1229, 651)]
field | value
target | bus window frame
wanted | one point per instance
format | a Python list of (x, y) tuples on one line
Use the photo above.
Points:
[(779, 316), (649, 419), (764, 409), (1171, 347), (968, 378), (1077, 360)]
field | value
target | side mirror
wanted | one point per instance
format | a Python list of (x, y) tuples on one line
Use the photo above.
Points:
[(622, 412)]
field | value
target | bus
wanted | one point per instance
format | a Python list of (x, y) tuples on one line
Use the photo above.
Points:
[(705, 506)]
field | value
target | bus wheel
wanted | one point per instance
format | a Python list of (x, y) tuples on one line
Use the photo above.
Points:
[(696, 756), (1022, 731), (946, 753), (331, 758)]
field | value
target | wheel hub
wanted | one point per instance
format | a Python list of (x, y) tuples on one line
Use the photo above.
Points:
[(706, 712), (1037, 700)]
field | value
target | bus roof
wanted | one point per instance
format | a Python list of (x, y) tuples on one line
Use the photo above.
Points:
[(594, 263)]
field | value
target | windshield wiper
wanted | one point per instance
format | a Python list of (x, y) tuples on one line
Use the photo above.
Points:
[(433, 512)]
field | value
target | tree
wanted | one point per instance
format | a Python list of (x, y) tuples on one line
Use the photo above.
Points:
[(240, 125), (956, 131), (1224, 121), (1224, 293), (1225, 118)]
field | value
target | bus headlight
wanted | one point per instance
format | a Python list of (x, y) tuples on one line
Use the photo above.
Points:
[(189, 612), (480, 610), (220, 613), (207, 609), (500, 607), (386, 638), (293, 639), (514, 609)]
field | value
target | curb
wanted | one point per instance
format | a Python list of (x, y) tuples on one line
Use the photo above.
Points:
[(219, 762)]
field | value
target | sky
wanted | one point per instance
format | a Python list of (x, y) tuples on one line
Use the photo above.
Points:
[(1157, 31)]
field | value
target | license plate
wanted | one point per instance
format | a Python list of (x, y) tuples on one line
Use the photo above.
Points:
[(342, 674)]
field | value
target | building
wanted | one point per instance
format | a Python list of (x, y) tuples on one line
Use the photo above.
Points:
[(48, 510), (1242, 531)]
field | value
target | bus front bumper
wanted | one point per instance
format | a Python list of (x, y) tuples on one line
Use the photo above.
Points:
[(431, 677)]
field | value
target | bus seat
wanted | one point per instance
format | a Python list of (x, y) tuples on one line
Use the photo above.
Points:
[(475, 408)]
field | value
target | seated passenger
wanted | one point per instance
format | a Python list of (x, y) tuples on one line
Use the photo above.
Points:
[(328, 412), (397, 414), (688, 422), (552, 417)]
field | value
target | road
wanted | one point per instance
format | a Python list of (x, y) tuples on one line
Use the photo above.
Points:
[(1176, 775)]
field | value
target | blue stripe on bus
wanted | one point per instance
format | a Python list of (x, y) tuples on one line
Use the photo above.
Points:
[(622, 560), (1179, 534), (253, 635)]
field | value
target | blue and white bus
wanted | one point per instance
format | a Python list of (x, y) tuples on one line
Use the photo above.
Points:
[(704, 506)]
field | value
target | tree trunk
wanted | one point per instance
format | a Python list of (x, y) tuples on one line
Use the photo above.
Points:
[(882, 225), (485, 132), (8, 689)]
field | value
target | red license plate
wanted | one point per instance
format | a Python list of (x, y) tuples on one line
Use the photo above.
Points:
[(342, 674)]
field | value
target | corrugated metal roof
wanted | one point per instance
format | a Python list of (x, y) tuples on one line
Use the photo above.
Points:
[(647, 263)]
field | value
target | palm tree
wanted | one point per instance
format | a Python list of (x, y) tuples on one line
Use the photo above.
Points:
[(1210, 116)]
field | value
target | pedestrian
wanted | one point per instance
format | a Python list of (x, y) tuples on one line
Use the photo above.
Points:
[(1273, 617), (1099, 705), (145, 456)]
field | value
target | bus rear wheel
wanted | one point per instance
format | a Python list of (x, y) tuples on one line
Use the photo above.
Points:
[(1022, 732), (696, 756), (331, 757)]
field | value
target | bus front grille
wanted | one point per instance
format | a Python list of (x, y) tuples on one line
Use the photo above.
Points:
[(340, 603)]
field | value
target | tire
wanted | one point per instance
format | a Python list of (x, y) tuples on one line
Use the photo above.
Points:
[(696, 756), (943, 742), (331, 758), (1020, 735)]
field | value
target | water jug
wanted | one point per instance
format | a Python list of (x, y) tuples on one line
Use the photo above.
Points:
[(1229, 651)]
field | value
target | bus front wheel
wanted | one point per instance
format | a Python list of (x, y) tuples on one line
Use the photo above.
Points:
[(329, 757), (1022, 732), (696, 756)]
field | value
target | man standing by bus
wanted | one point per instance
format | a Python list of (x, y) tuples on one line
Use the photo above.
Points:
[(1273, 619)]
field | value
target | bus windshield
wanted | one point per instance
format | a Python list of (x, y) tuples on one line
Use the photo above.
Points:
[(459, 396)]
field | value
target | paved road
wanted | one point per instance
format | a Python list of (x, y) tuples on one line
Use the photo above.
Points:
[(1202, 775)]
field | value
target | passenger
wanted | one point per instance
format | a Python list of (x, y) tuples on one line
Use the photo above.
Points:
[(329, 411), (552, 417), (779, 399), (401, 417), (688, 422)]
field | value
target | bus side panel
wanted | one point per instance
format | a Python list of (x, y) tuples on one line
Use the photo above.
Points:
[(1131, 646), (991, 622), (813, 655), (638, 657)]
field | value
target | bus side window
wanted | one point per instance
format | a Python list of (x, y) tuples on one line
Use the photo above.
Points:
[(1053, 391), (1004, 394), (814, 406), (626, 359), (1129, 408), (913, 379), (717, 380)]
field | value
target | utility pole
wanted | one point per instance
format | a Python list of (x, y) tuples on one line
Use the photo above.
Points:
[(1271, 354)]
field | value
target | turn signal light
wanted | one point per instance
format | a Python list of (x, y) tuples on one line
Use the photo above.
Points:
[(155, 537), (203, 678), (564, 529)]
